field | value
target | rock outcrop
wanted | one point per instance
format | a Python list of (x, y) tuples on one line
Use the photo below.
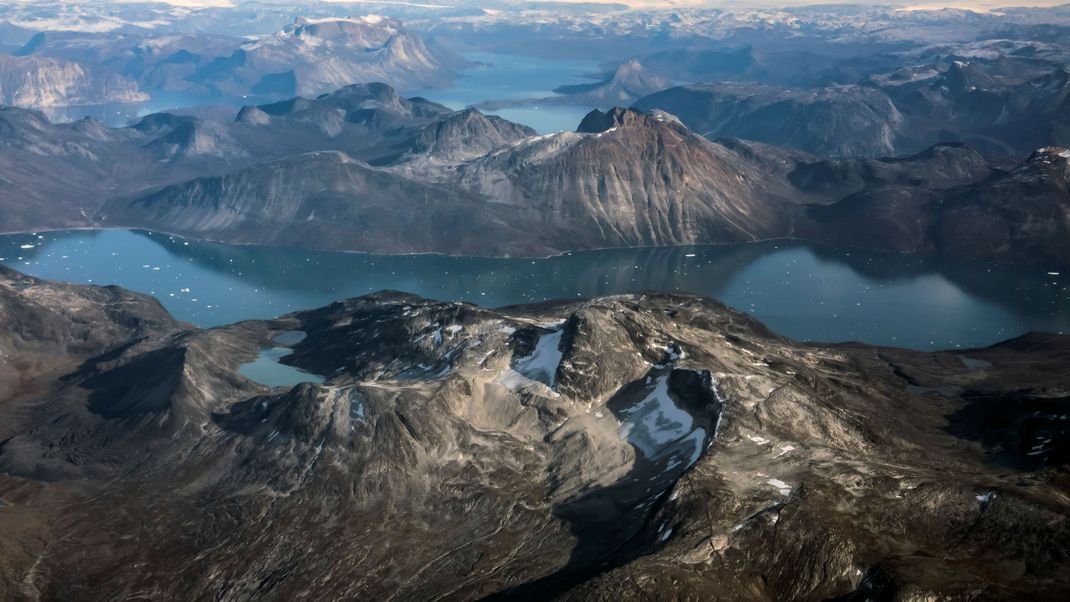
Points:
[(28, 81)]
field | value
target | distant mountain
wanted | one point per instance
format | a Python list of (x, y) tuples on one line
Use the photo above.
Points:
[(466, 135), (727, 61), (369, 121), (154, 61), (12, 36), (841, 121), (57, 175), (904, 114), (308, 57), (314, 56), (1016, 216), (47, 82), (629, 82)]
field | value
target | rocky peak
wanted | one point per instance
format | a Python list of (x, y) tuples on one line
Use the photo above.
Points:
[(375, 94), (637, 79), (598, 121), (630, 81), (962, 76), (1046, 165), (467, 134), (191, 137), (368, 31)]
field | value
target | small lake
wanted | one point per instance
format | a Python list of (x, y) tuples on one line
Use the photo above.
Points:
[(803, 291), (267, 369)]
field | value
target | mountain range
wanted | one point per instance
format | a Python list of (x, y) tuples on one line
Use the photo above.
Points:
[(47, 82), (307, 57), (1000, 115), (364, 169)]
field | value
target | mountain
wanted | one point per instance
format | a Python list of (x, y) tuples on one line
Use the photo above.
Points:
[(323, 200), (58, 175), (466, 135), (314, 56), (895, 115), (45, 82), (629, 82), (460, 451), (1006, 216), (1024, 213), (371, 121), (51, 174), (411, 176), (624, 179), (307, 57), (841, 121)]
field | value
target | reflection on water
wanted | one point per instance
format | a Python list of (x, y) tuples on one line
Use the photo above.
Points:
[(267, 370), (799, 290)]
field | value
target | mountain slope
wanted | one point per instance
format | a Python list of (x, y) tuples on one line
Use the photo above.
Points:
[(1021, 214), (894, 115), (321, 200), (46, 82), (629, 178), (843, 121), (1014, 216)]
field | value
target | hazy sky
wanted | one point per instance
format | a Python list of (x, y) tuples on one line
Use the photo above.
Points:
[(979, 5)]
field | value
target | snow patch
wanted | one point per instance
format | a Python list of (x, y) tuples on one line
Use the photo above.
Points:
[(656, 425), (781, 486), (542, 364)]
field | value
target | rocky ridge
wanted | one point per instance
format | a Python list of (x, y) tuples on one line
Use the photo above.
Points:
[(615, 447)]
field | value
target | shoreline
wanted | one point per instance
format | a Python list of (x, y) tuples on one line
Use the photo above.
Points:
[(785, 239)]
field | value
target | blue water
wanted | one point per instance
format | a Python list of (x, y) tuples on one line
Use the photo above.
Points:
[(123, 114), (267, 370), (504, 77), (803, 291), (492, 77)]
